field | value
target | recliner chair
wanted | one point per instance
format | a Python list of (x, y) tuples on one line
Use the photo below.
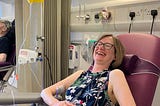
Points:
[(141, 65), (6, 68)]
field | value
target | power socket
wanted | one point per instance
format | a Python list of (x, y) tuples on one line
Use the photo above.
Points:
[(132, 15), (154, 12)]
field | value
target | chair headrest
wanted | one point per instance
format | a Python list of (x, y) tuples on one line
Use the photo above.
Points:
[(145, 46), (132, 64), (129, 63)]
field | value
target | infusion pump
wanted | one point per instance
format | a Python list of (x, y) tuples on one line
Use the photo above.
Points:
[(28, 56)]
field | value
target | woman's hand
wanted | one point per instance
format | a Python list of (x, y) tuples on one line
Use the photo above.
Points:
[(63, 103)]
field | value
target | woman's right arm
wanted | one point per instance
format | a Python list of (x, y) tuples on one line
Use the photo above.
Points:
[(48, 93)]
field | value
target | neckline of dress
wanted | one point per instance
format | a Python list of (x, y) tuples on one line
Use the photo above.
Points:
[(100, 72), (91, 67)]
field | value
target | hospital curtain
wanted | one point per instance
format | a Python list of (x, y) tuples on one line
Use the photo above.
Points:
[(65, 39), (56, 32)]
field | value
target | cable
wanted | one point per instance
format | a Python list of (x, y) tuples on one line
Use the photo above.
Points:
[(153, 13), (132, 15), (27, 25), (49, 65), (13, 98), (24, 39)]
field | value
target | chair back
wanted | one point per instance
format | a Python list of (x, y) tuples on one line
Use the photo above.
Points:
[(7, 67), (146, 46), (11, 58), (141, 65)]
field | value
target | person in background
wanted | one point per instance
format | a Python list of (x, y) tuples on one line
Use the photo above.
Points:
[(5, 26), (103, 84)]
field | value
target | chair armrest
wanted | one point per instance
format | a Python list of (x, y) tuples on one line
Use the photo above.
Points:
[(2, 64), (6, 71), (20, 98), (6, 68)]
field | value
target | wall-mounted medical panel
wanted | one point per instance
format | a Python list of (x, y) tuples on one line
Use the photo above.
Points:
[(92, 18)]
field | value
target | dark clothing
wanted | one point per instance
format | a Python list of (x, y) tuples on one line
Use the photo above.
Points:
[(90, 89), (4, 45), (4, 48), (11, 35)]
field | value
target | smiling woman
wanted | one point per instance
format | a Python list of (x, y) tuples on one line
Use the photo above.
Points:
[(102, 84)]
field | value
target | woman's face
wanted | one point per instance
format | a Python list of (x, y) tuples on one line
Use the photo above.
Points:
[(2, 26), (104, 52)]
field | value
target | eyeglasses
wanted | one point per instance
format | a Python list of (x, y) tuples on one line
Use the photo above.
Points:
[(107, 46)]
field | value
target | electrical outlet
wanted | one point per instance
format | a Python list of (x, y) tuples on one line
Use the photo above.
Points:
[(147, 11), (144, 12), (138, 12)]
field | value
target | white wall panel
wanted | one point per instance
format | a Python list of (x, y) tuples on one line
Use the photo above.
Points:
[(120, 17)]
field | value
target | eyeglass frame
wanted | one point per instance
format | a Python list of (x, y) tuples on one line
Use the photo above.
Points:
[(107, 46)]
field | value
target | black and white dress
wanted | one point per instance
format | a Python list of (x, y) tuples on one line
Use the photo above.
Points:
[(90, 89)]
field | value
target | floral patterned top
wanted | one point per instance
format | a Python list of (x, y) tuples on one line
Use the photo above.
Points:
[(90, 89)]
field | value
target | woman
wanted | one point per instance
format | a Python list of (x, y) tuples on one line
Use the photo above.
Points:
[(101, 85), (4, 41)]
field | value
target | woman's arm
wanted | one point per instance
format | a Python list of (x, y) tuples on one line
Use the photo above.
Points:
[(47, 93), (3, 57), (120, 88)]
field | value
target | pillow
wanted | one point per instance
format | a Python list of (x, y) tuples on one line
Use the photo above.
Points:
[(129, 63)]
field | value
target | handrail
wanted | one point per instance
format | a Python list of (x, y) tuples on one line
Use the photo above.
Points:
[(20, 98)]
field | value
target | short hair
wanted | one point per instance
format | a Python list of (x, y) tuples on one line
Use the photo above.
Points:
[(7, 23), (119, 51)]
